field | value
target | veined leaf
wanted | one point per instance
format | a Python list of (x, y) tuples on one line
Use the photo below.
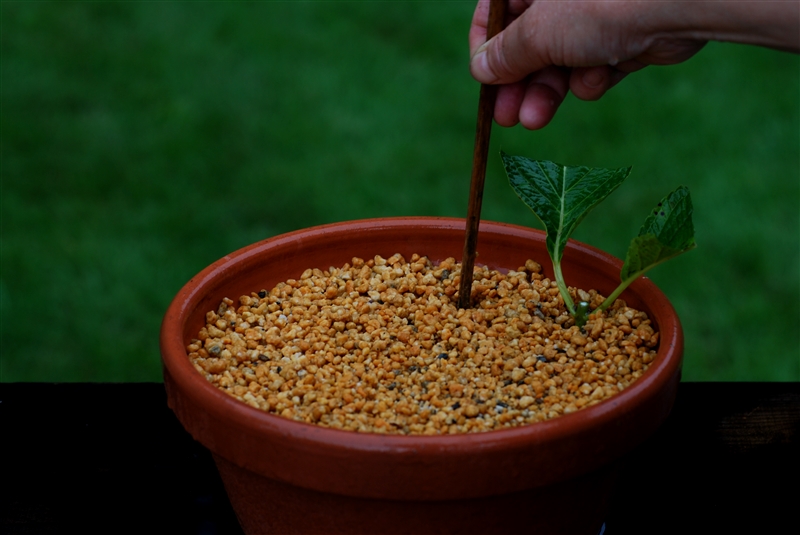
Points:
[(562, 196), (559, 195), (667, 232)]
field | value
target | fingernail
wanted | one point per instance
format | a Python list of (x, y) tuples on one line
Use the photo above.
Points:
[(479, 66), (593, 78)]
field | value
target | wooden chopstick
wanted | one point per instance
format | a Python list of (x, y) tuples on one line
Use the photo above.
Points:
[(488, 95)]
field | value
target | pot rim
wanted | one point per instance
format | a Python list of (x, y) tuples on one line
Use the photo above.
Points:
[(219, 403)]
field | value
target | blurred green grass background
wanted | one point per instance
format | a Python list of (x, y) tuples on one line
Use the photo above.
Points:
[(143, 140)]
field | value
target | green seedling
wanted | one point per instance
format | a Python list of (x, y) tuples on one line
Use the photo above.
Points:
[(562, 196)]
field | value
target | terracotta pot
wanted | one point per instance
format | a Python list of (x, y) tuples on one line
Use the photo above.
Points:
[(289, 477)]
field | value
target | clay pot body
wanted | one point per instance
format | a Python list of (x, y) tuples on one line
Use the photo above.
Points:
[(289, 477)]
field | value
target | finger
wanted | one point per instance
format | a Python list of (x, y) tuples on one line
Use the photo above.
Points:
[(477, 30), (590, 83), (509, 99), (480, 20), (509, 56), (544, 94), (517, 7), (629, 66), (616, 77), (670, 51)]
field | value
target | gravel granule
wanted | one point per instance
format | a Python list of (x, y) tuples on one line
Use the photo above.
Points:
[(380, 346)]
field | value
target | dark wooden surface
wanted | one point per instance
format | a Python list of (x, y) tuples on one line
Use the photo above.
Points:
[(112, 458)]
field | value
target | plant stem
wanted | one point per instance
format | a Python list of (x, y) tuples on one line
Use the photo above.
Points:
[(616, 293), (582, 311), (562, 286)]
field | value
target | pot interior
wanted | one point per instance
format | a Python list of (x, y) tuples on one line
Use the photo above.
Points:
[(503, 247)]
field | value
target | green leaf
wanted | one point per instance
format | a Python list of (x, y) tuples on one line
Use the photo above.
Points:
[(667, 232), (560, 196)]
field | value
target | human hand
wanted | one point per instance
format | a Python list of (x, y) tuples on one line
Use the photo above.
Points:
[(551, 47)]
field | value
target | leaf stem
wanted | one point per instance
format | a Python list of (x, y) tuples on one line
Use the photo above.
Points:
[(562, 287), (633, 276), (616, 293)]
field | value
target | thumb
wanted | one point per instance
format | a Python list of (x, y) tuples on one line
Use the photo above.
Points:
[(507, 57)]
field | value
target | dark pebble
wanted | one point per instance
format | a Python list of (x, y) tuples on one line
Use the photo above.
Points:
[(413, 368), (457, 405), (541, 358), (263, 358), (262, 294), (443, 356), (539, 401), (392, 386), (445, 274), (279, 369), (502, 404)]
